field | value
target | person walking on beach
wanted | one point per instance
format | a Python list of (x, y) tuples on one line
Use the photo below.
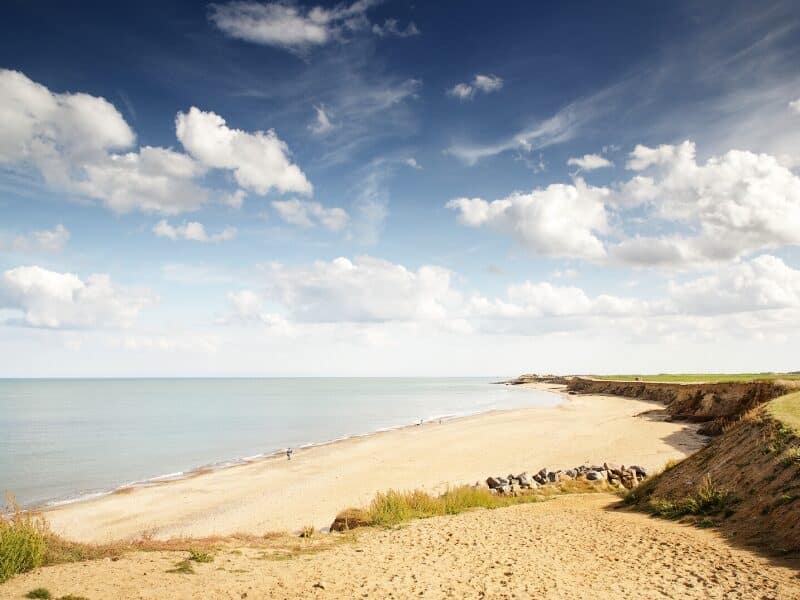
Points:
[(289, 452)]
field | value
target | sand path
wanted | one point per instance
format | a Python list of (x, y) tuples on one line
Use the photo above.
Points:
[(277, 495), (572, 547)]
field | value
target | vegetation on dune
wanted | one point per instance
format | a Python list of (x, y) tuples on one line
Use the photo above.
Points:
[(43, 593), (707, 499), (391, 508), (22, 543), (701, 377)]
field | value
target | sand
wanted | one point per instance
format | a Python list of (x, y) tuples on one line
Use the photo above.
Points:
[(280, 495), (572, 547)]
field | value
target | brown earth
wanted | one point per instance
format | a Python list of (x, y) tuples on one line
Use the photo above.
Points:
[(715, 404), (754, 463), (573, 547)]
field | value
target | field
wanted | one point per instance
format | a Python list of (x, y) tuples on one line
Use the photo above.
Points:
[(787, 410)]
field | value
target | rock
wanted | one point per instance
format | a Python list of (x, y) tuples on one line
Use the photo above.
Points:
[(503, 489), (350, 518), (553, 476), (524, 480), (319, 585), (640, 471), (595, 475), (571, 473), (493, 482), (539, 479), (543, 473)]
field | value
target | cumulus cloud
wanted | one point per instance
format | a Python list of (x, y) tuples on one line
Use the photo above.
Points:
[(46, 240), (62, 300), (322, 122), (795, 105), (259, 161), (235, 199), (192, 231), (364, 289), (412, 162), (590, 162), (287, 26), (480, 83), (74, 140), (559, 220), (309, 214), (738, 203)]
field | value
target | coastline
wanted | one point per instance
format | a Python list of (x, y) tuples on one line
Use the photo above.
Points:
[(272, 494), (275, 454)]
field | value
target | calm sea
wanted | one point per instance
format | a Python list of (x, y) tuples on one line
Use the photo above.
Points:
[(63, 439)]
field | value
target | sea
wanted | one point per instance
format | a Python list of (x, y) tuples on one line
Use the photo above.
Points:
[(65, 440)]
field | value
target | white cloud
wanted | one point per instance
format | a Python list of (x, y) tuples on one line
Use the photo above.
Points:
[(284, 25), (235, 199), (462, 91), (412, 162), (764, 283), (322, 122), (795, 105), (590, 162), (738, 203), (487, 83), (390, 28), (193, 231), (62, 300), (246, 304), (365, 289), (308, 214), (47, 240), (259, 161), (559, 220), (480, 83), (73, 139)]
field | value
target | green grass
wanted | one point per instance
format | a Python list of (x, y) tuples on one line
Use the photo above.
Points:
[(43, 593), (701, 377), (389, 509), (707, 499), (786, 409), (183, 567), (200, 556), (22, 544)]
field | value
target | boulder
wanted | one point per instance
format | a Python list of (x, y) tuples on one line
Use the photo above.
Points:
[(524, 480), (640, 471), (571, 473), (595, 475), (350, 518), (539, 479), (492, 482)]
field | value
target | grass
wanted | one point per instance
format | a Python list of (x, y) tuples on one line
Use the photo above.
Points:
[(307, 531), (786, 409), (791, 457), (707, 499), (43, 593), (200, 556), (389, 509), (22, 543), (183, 567), (701, 377)]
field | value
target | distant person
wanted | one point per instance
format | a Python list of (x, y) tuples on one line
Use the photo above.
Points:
[(289, 453)]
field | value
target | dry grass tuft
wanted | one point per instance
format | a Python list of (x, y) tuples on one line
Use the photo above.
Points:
[(22, 542)]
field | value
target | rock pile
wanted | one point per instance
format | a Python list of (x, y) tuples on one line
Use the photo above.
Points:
[(618, 475)]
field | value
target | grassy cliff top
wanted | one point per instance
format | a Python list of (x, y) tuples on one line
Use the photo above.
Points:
[(701, 377), (787, 410)]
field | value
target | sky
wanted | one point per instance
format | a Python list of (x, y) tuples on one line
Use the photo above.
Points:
[(382, 188)]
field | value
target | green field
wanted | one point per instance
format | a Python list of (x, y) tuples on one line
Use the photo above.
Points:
[(787, 410), (700, 377)]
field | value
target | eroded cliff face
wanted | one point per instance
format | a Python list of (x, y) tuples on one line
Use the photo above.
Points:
[(715, 404), (749, 479)]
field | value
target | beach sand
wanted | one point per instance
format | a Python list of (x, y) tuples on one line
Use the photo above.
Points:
[(280, 495), (572, 547)]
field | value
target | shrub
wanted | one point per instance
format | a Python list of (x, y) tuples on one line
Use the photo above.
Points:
[(22, 543), (39, 593), (200, 556)]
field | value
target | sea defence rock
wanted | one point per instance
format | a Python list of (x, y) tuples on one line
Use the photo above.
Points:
[(614, 474)]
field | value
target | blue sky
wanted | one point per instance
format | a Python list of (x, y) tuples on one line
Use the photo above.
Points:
[(386, 188)]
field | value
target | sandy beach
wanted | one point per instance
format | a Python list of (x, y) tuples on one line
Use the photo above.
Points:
[(573, 547), (280, 495)]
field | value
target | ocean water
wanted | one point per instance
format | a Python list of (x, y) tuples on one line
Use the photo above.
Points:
[(66, 439)]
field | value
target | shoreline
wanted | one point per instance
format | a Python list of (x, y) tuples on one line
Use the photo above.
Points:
[(277, 454), (272, 494)]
